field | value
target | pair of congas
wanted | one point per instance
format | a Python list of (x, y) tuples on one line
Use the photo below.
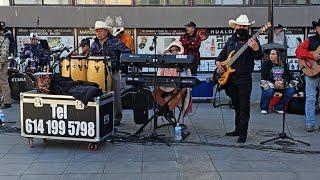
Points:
[(92, 69)]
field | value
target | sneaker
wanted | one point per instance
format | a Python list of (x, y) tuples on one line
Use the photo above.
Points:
[(264, 112), (310, 129), (278, 111)]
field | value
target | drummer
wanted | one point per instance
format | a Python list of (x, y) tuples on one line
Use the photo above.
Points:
[(35, 51), (85, 47), (105, 44)]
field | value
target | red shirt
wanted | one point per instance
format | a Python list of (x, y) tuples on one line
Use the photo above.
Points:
[(191, 45), (302, 51)]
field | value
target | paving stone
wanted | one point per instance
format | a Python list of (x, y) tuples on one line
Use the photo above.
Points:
[(47, 168)]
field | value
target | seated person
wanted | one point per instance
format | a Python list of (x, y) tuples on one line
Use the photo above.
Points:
[(85, 47), (174, 48), (35, 51), (273, 73)]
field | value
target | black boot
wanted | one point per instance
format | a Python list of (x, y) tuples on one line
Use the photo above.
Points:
[(233, 133), (242, 139)]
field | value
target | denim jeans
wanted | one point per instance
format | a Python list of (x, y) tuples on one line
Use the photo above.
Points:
[(311, 85), (267, 95)]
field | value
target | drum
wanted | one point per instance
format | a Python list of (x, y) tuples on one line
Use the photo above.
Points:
[(32, 65), (12, 66), (43, 81), (65, 67), (19, 83), (76, 68), (99, 73)]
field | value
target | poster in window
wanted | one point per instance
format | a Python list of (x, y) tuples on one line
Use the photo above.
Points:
[(213, 41), (55, 37)]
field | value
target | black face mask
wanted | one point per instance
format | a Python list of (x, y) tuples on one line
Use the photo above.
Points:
[(243, 33)]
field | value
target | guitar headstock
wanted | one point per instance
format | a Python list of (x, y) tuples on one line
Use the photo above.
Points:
[(265, 27)]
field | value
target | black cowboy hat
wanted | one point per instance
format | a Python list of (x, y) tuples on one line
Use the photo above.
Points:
[(191, 24), (84, 42), (315, 24)]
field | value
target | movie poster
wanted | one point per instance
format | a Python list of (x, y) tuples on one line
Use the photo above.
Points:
[(55, 36)]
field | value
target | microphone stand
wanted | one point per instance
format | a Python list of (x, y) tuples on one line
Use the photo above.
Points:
[(283, 134), (154, 136)]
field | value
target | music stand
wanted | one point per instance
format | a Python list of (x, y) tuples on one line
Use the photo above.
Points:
[(282, 48)]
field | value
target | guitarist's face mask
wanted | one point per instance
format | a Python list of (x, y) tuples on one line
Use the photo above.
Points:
[(242, 32)]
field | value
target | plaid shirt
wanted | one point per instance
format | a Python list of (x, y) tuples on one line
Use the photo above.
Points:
[(112, 47), (4, 49), (191, 45)]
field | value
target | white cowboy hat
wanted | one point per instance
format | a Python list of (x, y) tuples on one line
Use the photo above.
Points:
[(117, 30), (34, 36), (102, 25), (241, 20), (178, 44)]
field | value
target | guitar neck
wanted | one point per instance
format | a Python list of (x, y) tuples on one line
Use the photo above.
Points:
[(242, 49)]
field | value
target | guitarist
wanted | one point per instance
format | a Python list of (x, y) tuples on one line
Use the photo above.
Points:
[(305, 51), (239, 85)]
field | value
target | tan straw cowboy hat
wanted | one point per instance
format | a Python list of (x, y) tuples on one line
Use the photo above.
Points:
[(241, 20), (102, 25)]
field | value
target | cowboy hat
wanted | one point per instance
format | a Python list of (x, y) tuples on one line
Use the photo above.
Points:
[(178, 44), (102, 25), (34, 36), (117, 30), (241, 20), (315, 24)]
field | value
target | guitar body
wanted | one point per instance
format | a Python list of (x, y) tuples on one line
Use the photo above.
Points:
[(310, 67), (223, 77)]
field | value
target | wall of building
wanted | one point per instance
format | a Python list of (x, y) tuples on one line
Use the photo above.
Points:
[(153, 17)]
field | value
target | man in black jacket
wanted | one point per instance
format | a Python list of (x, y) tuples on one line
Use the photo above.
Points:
[(239, 85)]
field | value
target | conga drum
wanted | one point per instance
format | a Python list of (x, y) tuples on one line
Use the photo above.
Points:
[(100, 73), (65, 67), (78, 68)]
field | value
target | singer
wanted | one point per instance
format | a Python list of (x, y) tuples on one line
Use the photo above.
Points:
[(106, 44)]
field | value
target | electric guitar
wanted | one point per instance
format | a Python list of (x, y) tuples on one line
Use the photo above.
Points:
[(310, 67), (233, 56)]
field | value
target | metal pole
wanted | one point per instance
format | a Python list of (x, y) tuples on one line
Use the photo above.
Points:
[(270, 19)]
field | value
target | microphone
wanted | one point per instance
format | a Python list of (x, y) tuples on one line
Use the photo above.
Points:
[(67, 49), (285, 29), (151, 48)]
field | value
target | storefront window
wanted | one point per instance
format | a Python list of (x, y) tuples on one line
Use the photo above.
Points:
[(220, 2), (162, 2), (105, 2), (315, 1), (4, 3), (27, 1), (281, 2), (57, 1)]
